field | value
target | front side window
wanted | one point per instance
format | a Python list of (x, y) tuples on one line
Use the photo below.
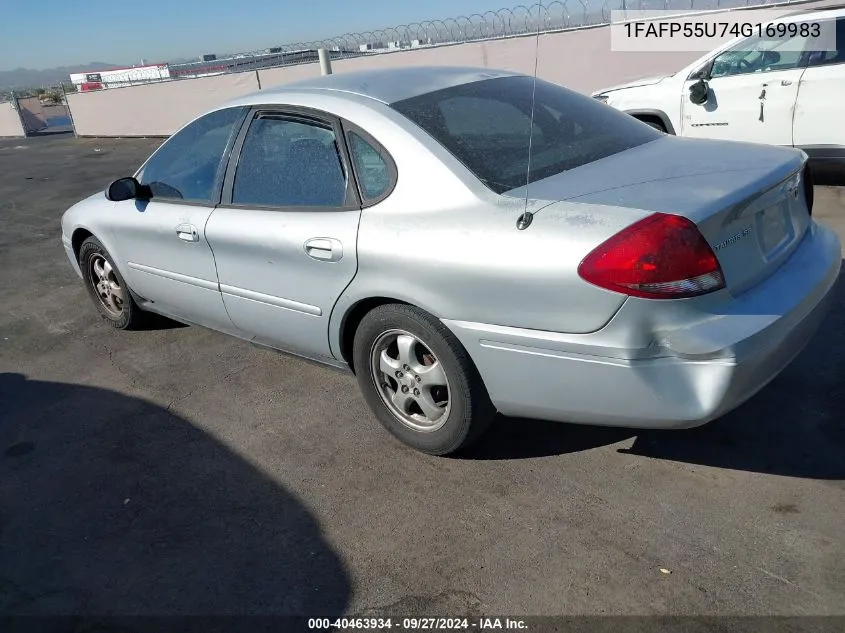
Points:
[(487, 126), (185, 166), (289, 161), (373, 172), (756, 55)]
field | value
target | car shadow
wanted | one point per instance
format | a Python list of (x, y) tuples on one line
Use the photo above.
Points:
[(523, 438), (111, 506), (794, 427), (155, 321)]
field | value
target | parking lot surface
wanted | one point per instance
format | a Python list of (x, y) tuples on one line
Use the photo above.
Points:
[(178, 471)]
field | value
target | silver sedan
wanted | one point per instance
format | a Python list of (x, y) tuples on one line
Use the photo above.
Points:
[(468, 242)]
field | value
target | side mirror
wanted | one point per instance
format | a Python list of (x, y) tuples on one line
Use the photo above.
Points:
[(127, 189), (703, 72), (698, 92)]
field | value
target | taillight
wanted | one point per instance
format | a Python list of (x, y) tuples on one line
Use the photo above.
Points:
[(660, 257)]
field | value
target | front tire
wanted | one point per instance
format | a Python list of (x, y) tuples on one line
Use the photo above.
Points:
[(419, 380), (107, 288)]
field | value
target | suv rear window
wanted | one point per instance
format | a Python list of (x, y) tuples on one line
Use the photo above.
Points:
[(486, 125)]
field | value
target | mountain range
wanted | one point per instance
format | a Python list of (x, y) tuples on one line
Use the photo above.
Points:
[(30, 78), (27, 77)]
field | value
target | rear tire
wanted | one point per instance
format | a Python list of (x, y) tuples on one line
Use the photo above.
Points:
[(107, 288), (403, 356)]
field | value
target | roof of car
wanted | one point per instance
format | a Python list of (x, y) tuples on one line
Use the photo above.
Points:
[(390, 85)]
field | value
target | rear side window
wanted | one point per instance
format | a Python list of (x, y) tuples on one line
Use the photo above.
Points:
[(373, 172), (487, 126)]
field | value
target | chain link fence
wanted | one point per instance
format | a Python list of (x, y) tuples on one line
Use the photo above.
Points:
[(494, 24)]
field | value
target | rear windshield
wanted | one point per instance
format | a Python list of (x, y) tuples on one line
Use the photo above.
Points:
[(486, 125)]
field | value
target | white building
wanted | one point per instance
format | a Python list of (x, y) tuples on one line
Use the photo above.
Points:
[(119, 77)]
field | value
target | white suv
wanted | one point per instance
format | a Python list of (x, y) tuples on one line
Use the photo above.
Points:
[(747, 90)]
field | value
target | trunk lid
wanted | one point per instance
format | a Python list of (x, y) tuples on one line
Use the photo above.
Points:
[(747, 200)]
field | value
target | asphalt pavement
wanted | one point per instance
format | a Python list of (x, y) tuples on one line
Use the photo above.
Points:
[(181, 472)]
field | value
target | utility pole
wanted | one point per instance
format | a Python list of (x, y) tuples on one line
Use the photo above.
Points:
[(325, 61)]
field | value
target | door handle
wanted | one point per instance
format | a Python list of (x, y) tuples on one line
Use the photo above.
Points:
[(786, 82), (324, 248), (187, 233)]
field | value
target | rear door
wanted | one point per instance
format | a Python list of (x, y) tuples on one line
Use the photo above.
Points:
[(819, 127), (753, 88), (284, 237)]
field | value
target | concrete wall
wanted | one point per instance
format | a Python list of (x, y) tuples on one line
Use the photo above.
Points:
[(10, 122), (581, 60), (284, 75), (157, 109), (578, 59)]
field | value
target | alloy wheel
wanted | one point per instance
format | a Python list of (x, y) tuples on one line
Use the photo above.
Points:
[(106, 286), (410, 380)]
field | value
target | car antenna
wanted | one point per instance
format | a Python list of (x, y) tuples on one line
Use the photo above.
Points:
[(525, 219)]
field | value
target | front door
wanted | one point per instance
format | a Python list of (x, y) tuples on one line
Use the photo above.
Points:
[(284, 238), (162, 244), (753, 88)]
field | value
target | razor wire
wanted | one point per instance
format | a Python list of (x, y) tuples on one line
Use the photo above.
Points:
[(495, 24)]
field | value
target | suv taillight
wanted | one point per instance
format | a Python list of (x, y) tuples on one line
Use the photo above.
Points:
[(662, 256)]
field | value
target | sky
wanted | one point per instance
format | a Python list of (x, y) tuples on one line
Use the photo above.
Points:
[(49, 33)]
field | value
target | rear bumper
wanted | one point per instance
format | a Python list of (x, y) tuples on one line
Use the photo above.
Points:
[(693, 375)]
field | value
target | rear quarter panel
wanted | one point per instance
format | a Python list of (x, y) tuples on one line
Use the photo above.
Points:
[(444, 242), (470, 263)]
